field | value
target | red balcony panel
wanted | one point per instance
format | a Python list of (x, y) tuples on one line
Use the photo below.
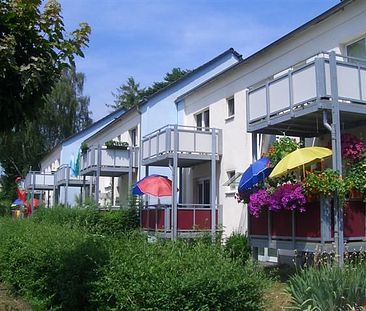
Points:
[(281, 223), (185, 219), (308, 222), (160, 218), (145, 218), (354, 219), (259, 225), (203, 219)]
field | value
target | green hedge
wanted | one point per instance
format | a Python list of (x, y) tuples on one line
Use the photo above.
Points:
[(92, 220), (51, 266), (176, 276)]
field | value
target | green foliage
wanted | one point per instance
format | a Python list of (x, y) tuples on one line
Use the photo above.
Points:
[(328, 288), (84, 147), (52, 266), (176, 276), (5, 207), (130, 94), (35, 48), (237, 247), (112, 144), (89, 219), (327, 183), (281, 148), (356, 177)]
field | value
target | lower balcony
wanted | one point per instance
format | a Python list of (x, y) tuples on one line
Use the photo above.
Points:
[(310, 231), (64, 177), (192, 219), (39, 181)]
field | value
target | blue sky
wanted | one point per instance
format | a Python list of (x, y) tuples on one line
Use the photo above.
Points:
[(147, 38)]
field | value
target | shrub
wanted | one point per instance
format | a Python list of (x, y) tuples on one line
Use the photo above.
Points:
[(328, 288), (91, 220), (176, 276), (5, 208), (237, 247), (52, 266)]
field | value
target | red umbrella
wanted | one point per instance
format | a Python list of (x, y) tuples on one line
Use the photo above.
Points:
[(155, 185)]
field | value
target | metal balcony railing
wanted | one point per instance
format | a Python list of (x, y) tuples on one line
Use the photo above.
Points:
[(115, 158), (63, 175), (38, 181), (190, 217), (186, 140), (307, 82)]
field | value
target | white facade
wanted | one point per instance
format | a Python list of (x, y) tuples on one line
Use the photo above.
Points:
[(332, 33)]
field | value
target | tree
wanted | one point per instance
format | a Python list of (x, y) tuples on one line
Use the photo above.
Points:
[(34, 51), (128, 95), (65, 111), (170, 77)]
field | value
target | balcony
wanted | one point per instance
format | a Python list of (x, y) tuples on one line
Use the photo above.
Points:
[(292, 101), (63, 177), (109, 162), (192, 219), (39, 181), (191, 145)]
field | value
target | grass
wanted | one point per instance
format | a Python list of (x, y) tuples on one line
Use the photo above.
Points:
[(276, 297)]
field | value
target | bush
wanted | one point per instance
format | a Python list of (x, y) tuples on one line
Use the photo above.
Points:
[(328, 288), (5, 207), (91, 220), (176, 276), (237, 247), (52, 266)]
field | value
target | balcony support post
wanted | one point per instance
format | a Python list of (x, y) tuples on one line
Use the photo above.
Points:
[(175, 185), (337, 157), (99, 163), (54, 201), (84, 191), (67, 184), (132, 153), (112, 185), (213, 186), (32, 194)]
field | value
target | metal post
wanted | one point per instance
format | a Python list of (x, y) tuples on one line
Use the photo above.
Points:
[(54, 189), (337, 157), (32, 194), (213, 186), (254, 158), (67, 184), (112, 191), (132, 154), (84, 192), (174, 184), (180, 200), (99, 162)]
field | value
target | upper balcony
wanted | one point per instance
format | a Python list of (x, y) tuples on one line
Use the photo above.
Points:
[(292, 101), (63, 177), (39, 181), (192, 145), (109, 162)]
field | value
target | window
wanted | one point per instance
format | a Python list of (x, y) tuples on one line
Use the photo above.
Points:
[(357, 49), (133, 137), (230, 107), (203, 120), (203, 191), (233, 179)]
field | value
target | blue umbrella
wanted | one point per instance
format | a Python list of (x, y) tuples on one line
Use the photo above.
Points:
[(254, 174)]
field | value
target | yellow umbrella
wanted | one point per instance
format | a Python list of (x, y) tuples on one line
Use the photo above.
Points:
[(298, 158)]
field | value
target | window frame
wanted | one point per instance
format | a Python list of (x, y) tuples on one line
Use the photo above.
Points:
[(230, 101)]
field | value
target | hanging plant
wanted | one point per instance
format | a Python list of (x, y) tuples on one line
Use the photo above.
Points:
[(281, 148), (352, 147), (111, 144), (84, 147)]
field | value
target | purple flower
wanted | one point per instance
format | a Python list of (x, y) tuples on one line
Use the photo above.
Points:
[(288, 196), (257, 201), (352, 147)]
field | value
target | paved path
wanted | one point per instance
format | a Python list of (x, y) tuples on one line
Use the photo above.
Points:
[(10, 303)]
